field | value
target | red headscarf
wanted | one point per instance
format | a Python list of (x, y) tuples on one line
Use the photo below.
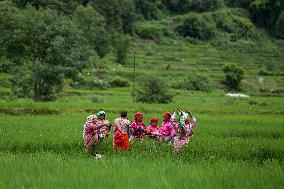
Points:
[(137, 116), (154, 120), (167, 116)]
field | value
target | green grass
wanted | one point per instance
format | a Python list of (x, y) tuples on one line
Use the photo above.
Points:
[(236, 145), (239, 142)]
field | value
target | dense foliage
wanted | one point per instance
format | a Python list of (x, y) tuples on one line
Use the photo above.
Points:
[(45, 42), (154, 90)]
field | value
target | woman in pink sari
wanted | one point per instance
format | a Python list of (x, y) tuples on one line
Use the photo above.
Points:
[(167, 129), (138, 127), (184, 129), (91, 132)]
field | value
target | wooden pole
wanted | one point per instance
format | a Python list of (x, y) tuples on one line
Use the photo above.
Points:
[(134, 75)]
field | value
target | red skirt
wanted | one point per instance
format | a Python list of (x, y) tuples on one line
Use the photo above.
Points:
[(121, 141)]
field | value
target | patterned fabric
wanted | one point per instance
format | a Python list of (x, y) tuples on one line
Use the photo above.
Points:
[(138, 129), (183, 138), (152, 129), (104, 131), (122, 125), (90, 134), (121, 137), (167, 129)]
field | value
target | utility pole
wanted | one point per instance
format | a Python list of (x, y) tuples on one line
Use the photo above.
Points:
[(134, 75)]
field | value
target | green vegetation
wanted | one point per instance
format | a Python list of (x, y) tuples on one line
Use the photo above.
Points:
[(234, 75), (66, 41), (233, 136), (154, 90), (61, 61)]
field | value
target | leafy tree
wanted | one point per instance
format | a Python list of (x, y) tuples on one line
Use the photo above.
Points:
[(197, 26), (233, 75), (266, 12), (198, 83), (93, 26), (149, 9), (119, 14), (154, 90), (122, 48), (9, 19), (49, 45)]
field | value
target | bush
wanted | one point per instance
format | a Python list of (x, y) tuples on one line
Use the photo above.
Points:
[(149, 31), (233, 75), (197, 26), (154, 91), (236, 22), (21, 85), (119, 82), (198, 83), (98, 84)]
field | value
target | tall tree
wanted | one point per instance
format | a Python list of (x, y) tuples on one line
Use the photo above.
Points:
[(49, 46), (93, 26)]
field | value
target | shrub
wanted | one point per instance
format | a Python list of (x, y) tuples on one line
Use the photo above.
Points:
[(233, 75), (236, 22), (197, 26), (198, 83), (21, 85), (98, 84), (154, 90), (119, 82), (149, 31)]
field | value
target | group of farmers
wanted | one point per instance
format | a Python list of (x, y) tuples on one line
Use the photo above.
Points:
[(176, 129)]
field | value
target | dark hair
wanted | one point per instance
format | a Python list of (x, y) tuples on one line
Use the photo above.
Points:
[(123, 114)]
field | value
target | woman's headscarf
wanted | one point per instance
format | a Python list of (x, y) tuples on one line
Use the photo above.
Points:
[(102, 113), (167, 116), (91, 118), (154, 120), (138, 116)]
